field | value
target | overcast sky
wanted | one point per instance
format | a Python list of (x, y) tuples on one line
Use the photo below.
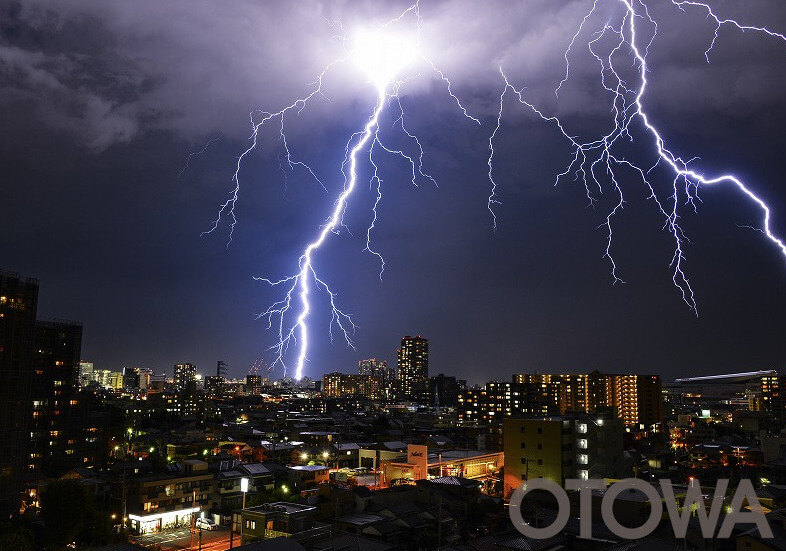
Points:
[(107, 109)]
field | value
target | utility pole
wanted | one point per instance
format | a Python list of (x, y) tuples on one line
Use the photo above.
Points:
[(123, 519), (526, 468), (193, 520)]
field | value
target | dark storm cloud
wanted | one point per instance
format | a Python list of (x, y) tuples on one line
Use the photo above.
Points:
[(103, 101), (110, 70)]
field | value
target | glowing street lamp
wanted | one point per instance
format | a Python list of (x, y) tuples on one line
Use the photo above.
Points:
[(244, 489)]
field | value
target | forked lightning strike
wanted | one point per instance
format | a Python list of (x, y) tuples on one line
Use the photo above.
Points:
[(596, 163), (382, 56)]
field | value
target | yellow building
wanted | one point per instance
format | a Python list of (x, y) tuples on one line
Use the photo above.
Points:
[(578, 446)]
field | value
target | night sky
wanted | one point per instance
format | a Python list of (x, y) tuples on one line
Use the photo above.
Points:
[(102, 104)]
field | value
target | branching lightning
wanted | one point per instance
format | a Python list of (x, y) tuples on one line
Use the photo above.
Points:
[(382, 55), (598, 163)]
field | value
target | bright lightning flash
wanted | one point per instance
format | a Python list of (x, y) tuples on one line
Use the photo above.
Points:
[(620, 47), (381, 55)]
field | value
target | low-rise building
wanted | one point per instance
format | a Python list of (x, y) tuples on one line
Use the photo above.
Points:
[(419, 463), (303, 477), (272, 520), (156, 502)]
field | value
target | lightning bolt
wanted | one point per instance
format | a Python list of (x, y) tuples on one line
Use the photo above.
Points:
[(383, 66), (598, 163), (197, 153)]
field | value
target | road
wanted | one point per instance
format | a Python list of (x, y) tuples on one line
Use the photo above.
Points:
[(178, 540)]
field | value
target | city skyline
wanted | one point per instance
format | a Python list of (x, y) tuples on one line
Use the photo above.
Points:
[(105, 204)]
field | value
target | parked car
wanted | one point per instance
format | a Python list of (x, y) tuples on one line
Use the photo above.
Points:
[(205, 524)]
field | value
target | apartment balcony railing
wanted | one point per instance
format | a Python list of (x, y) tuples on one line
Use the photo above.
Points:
[(319, 529)]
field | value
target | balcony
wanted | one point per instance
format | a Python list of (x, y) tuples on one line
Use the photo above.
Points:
[(319, 530)]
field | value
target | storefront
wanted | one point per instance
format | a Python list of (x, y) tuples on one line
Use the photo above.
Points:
[(157, 522), (421, 464)]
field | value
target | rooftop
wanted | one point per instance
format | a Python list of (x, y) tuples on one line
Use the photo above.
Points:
[(281, 506), (310, 468)]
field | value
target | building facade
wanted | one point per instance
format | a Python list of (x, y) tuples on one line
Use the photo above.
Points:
[(638, 399), (576, 446), (444, 391), (18, 306), (185, 378), (335, 385), (413, 369), (254, 384), (56, 441), (156, 502), (376, 368)]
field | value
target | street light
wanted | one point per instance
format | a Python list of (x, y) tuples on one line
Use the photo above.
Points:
[(244, 489)]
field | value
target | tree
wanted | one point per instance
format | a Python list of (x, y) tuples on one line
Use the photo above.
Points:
[(63, 509), (71, 515)]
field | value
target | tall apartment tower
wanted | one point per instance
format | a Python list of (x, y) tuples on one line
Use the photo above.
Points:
[(56, 415), (638, 399), (413, 369), (184, 374), (18, 306)]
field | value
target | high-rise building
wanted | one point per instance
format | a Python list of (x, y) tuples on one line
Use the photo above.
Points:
[(637, 399), (771, 399), (87, 373), (156, 384), (18, 306), (377, 381), (114, 379), (55, 400), (145, 373), (185, 377), (335, 385), (214, 386), (254, 384), (413, 369), (500, 399), (375, 368), (131, 378)]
